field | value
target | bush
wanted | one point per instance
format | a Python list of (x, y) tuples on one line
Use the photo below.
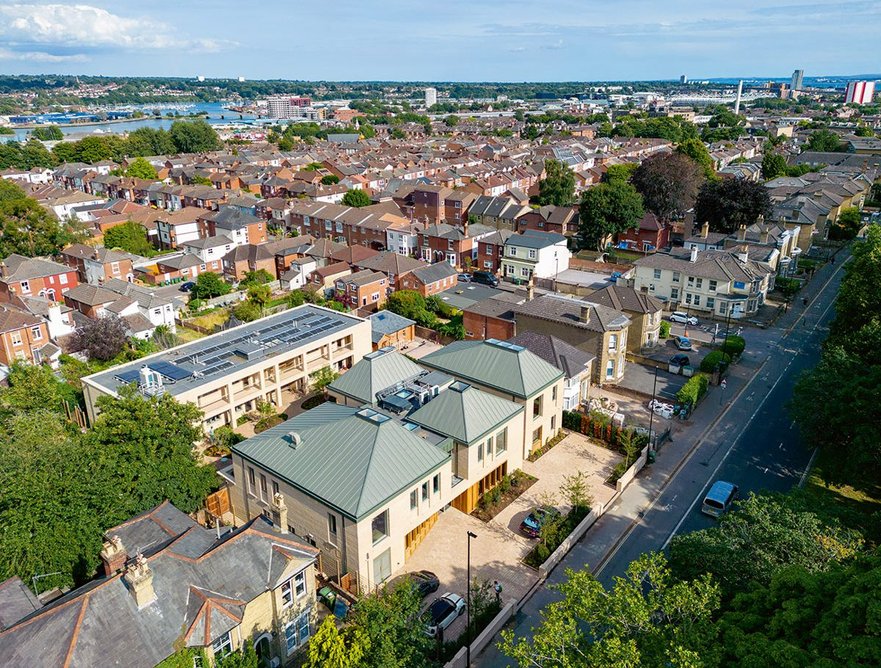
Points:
[(693, 390), (734, 345), (715, 359), (195, 304), (665, 329), (572, 420)]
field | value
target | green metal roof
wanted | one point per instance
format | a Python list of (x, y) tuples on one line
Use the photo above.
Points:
[(351, 459), (374, 373), (465, 413), (497, 364)]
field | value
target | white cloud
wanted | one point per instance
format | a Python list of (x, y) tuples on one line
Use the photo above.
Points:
[(89, 27), (41, 56)]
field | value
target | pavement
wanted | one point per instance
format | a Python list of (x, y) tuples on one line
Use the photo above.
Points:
[(742, 434)]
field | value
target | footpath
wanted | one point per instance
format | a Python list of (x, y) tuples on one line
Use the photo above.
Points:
[(603, 538)]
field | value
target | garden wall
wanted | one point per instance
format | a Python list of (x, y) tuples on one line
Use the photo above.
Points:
[(484, 638)]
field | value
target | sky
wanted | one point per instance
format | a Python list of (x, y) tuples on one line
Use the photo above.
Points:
[(443, 40)]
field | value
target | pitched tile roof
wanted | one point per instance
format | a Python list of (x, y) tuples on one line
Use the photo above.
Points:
[(569, 359)]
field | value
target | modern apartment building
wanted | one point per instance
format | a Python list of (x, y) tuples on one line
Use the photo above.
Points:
[(226, 374)]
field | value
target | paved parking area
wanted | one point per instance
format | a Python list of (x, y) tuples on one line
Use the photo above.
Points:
[(498, 550)]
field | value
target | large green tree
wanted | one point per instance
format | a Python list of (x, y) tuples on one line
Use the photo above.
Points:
[(697, 151), (210, 285), (668, 184), (130, 237), (194, 136), (847, 226), (608, 209), (141, 169), (729, 203), (356, 198), (27, 228), (647, 618), (763, 535), (824, 140), (773, 165), (558, 186)]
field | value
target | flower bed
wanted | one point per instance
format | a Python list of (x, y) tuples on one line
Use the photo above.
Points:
[(501, 496), (551, 442), (553, 533)]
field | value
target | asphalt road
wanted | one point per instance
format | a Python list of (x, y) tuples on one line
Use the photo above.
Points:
[(755, 445)]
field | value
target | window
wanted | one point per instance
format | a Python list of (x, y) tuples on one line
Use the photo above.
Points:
[(114, 268), (502, 441), (435, 484), (262, 486), (554, 394), (425, 491), (610, 368), (487, 264), (25, 286), (676, 276), (613, 342), (414, 499), (674, 293), (275, 489), (36, 333), (222, 646), (536, 407), (293, 588), (531, 254), (480, 452), (296, 632), (723, 308), (554, 423), (740, 285), (252, 483), (688, 298), (713, 285), (374, 297), (300, 584), (331, 524), (699, 282), (379, 526), (697, 300), (512, 252), (16, 338), (657, 273), (711, 302), (691, 281), (524, 272)]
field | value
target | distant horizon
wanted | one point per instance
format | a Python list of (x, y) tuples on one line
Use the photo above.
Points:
[(456, 41)]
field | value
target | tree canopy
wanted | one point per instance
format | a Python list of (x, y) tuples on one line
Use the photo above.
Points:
[(141, 169), (558, 186), (697, 151), (130, 237), (26, 227), (102, 338), (194, 136), (773, 165), (730, 203), (210, 285), (608, 209), (824, 140), (668, 184), (356, 198)]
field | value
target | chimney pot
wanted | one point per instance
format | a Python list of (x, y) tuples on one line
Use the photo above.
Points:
[(694, 252), (139, 578), (279, 513), (741, 233), (585, 313), (113, 555), (705, 230), (530, 290)]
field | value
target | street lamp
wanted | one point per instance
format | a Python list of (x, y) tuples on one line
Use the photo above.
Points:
[(471, 535), (652, 412)]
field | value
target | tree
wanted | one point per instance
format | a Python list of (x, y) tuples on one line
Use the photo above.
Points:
[(608, 209), (451, 121), (647, 619), (141, 169), (319, 380), (149, 141), (773, 165), (28, 229), (623, 172), (247, 311), (859, 297), (259, 277), (668, 184), (199, 180), (103, 338), (47, 133), (296, 298), (330, 648), (558, 186), (697, 151), (259, 294), (130, 237), (356, 198), (330, 179), (848, 225), (730, 203), (194, 136), (824, 141), (765, 534), (210, 285)]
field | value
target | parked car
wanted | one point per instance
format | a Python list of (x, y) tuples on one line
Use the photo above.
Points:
[(187, 287), (682, 318), (682, 343), (485, 278), (719, 499), (532, 523), (425, 582), (680, 359), (465, 278), (661, 408), (443, 612)]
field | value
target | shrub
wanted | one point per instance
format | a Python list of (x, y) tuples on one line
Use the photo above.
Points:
[(715, 359), (572, 420), (734, 345), (693, 390), (195, 304), (665, 329)]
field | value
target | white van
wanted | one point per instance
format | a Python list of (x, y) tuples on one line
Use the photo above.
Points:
[(719, 499)]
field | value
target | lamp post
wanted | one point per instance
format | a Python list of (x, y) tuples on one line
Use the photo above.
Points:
[(468, 608), (652, 412)]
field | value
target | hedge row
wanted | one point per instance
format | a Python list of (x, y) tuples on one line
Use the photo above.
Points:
[(715, 359), (693, 390)]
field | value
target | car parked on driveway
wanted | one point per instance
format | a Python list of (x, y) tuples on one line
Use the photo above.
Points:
[(532, 523), (683, 318), (484, 278), (680, 359), (465, 278), (187, 287), (682, 343), (425, 582), (442, 612)]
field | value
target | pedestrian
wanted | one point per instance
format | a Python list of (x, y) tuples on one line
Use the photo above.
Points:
[(498, 588)]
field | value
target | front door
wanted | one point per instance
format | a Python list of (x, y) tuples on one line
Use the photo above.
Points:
[(263, 648)]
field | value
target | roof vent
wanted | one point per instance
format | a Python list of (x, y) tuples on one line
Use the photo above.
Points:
[(295, 439)]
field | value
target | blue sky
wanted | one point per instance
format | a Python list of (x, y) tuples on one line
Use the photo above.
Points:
[(463, 40)]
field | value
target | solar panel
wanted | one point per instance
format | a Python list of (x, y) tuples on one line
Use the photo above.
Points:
[(170, 371), (128, 376)]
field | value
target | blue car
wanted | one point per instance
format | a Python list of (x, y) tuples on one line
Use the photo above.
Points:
[(532, 524)]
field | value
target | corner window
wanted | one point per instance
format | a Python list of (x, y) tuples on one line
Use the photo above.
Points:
[(613, 342), (379, 526), (222, 646)]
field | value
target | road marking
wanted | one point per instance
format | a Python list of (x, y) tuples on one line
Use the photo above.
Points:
[(792, 425), (804, 476), (780, 447)]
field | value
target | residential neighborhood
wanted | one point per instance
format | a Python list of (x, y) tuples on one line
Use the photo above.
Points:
[(284, 362)]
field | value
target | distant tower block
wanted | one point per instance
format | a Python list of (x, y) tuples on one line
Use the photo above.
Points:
[(797, 82), (201, 78), (739, 95), (683, 79), (430, 97)]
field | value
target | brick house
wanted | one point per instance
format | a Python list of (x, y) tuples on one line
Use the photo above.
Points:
[(22, 335), (177, 227), (243, 259), (560, 219), (490, 251), (363, 289), (34, 277), (95, 265), (651, 235), (430, 279)]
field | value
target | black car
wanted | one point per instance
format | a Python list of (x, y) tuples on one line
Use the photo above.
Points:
[(425, 582), (485, 278), (187, 287), (680, 359)]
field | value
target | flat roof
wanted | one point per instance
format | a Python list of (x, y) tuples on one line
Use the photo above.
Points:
[(191, 365)]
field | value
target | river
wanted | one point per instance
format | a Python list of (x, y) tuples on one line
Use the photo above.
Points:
[(217, 115)]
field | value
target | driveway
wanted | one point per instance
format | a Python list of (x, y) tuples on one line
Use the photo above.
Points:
[(498, 551)]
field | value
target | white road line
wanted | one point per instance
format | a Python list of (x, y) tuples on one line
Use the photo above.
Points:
[(804, 476)]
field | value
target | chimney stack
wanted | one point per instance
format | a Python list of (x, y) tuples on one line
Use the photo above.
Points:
[(139, 579), (741, 233), (693, 257), (743, 253), (279, 513), (585, 313), (4, 270), (705, 230), (530, 290), (764, 235), (465, 227), (113, 555)]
